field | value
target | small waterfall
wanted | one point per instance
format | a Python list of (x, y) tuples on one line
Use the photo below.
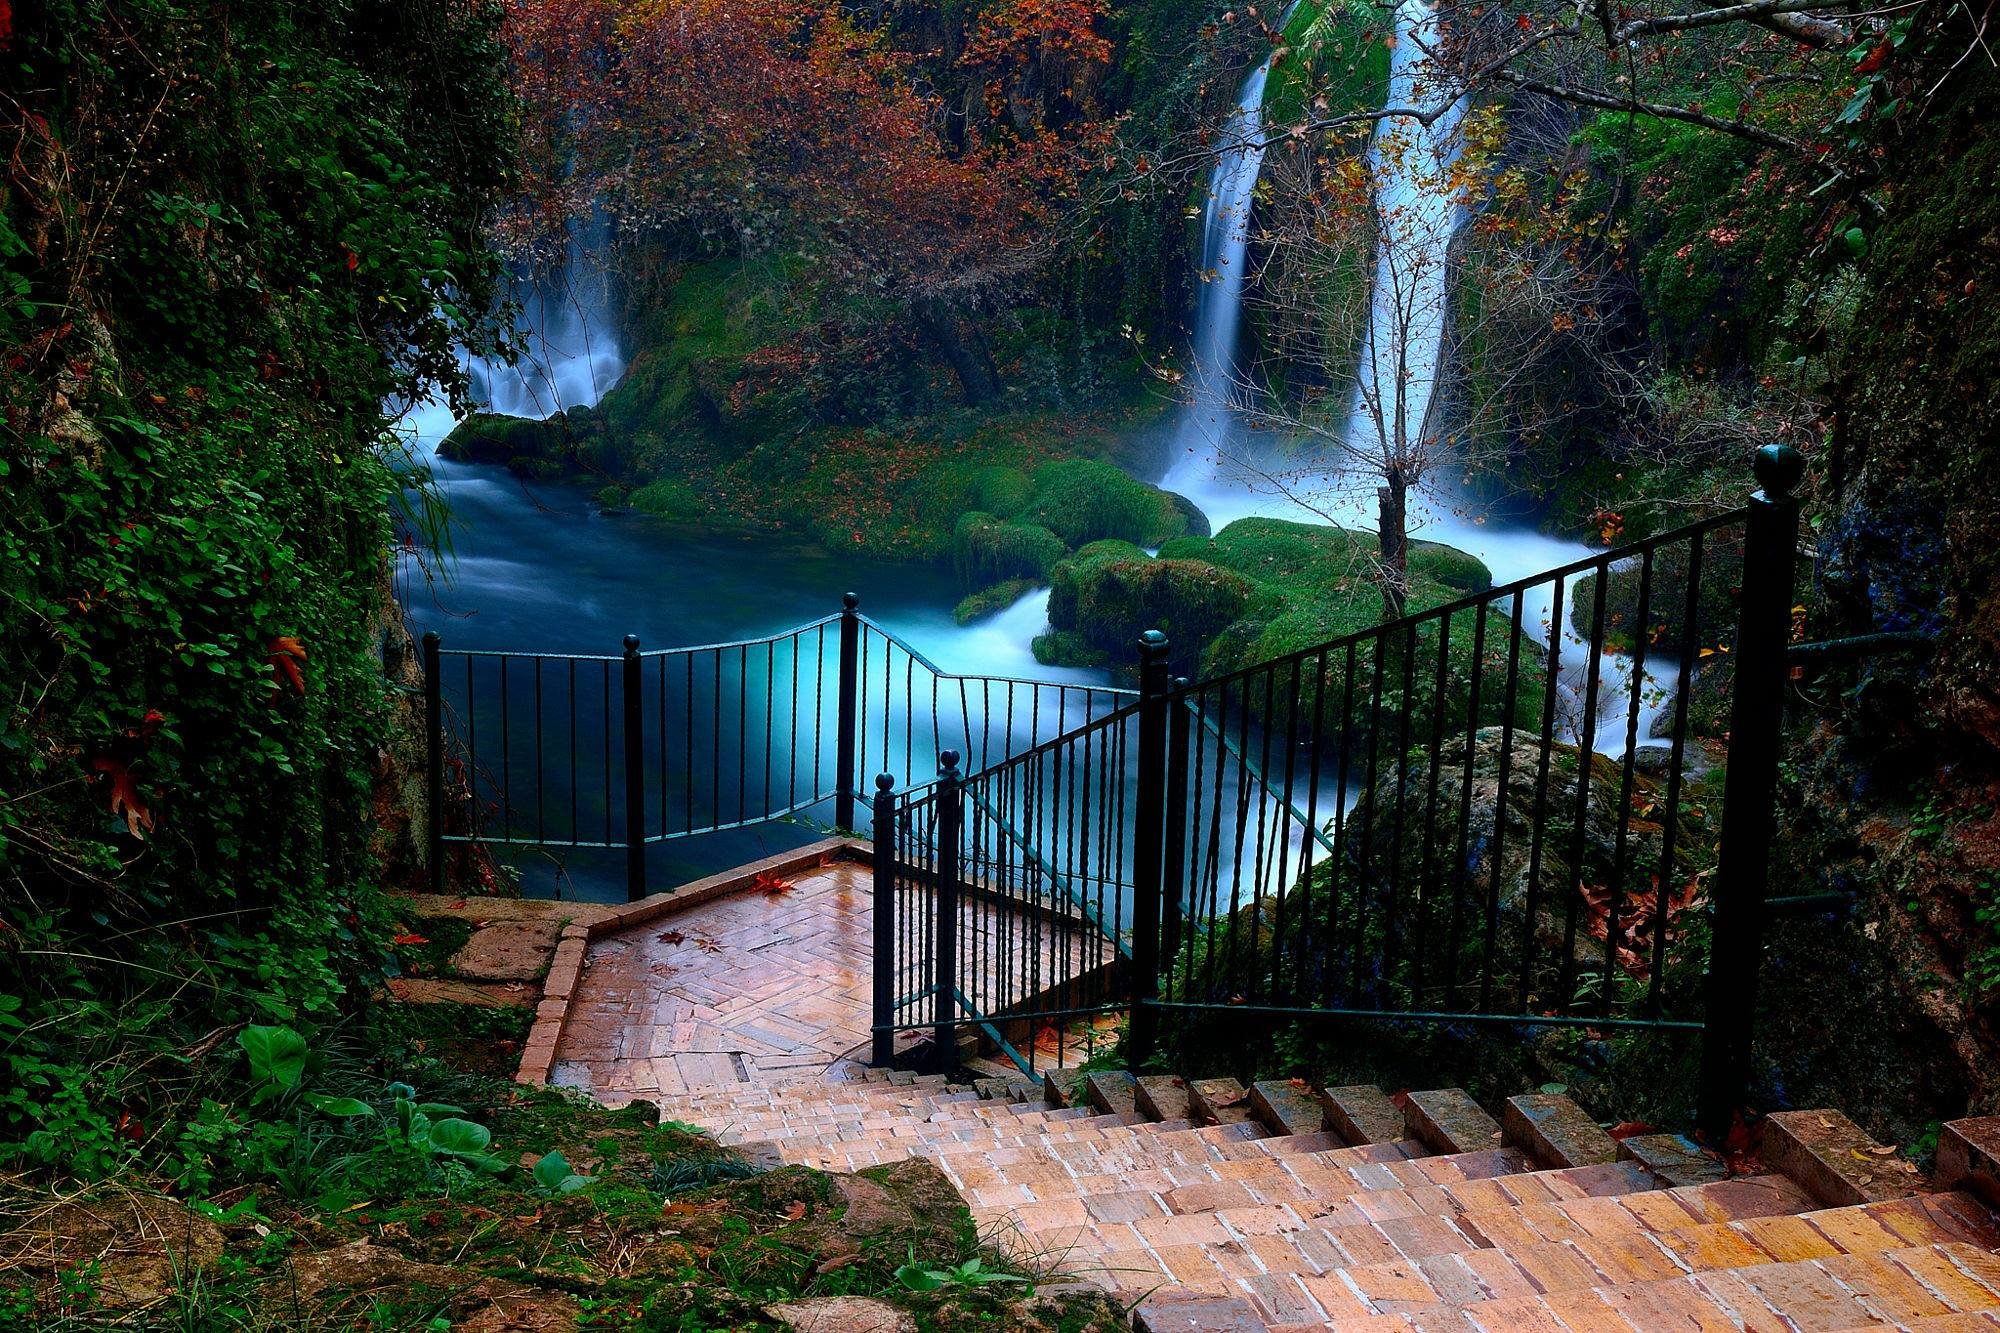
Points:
[(573, 356)]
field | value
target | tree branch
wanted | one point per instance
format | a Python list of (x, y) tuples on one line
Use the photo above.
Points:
[(1607, 102)]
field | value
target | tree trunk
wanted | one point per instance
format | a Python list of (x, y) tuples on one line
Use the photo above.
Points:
[(966, 354), (1392, 503)]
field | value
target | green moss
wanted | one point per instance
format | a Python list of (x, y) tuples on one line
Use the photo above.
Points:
[(1334, 55), (1108, 597), (668, 498), (1066, 648), (1458, 570), (992, 600), (986, 549), (1081, 501)]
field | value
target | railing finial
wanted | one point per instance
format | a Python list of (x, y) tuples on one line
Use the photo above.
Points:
[(850, 600), (1779, 467), (631, 643), (948, 763), (885, 782)]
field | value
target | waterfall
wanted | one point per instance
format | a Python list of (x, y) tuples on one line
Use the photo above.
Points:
[(1401, 358)]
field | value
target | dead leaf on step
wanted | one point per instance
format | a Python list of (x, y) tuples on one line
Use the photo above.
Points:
[(1879, 1150), (1626, 1129), (796, 1211)]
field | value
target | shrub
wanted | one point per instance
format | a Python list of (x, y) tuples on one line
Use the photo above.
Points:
[(1109, 597)]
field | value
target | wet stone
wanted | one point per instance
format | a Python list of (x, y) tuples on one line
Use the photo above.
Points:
[(1361, 1113), (1673, 1159), (1968, 1157), (1833, 1159), (1555, 1131), (508, 951), (1220, 1101), (1113, 1091), (1447, 1120), (1162, 1096), (1287, 1106)]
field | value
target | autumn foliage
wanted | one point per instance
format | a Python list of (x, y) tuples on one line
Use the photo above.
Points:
[(790, 128)]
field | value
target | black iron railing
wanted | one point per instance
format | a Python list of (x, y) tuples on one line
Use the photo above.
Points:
[(1509, 808), (620, 752)]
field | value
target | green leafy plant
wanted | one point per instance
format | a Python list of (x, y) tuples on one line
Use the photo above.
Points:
[(552, 1175), (972, 1273)]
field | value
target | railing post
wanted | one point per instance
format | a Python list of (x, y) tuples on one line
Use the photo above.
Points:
[(433, 762), (1173, 861), (1148, 847), (635, 775), (849, 710), (1749, 814), (885, 922), (950, 820)]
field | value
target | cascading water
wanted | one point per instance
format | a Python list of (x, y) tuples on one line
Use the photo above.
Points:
[(1227, 473)]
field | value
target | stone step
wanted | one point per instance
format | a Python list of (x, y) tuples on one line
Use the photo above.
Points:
[(1059, 1085), (1220, 1101), (1287, 1106), (1162, 1096), (1555, 1131), (1447, 1120), (1675, 1159), (1833, 1158), (1968, 1157), (1112, 1091), (1361, 1114), (1426, 1273)]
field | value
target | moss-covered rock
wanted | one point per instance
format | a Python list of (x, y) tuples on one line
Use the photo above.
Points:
[(1668, 628), (1401, 915), (1082, 500), (668, 498), (992, 600), (1110, 593), (987, 549), (520, 443)]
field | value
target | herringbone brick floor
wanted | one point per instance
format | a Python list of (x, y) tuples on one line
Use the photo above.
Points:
[(747, 988)]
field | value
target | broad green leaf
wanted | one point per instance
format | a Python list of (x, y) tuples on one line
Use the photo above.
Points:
[(460, 1138), (552, 1170), (344, 1107), (277, 1055)]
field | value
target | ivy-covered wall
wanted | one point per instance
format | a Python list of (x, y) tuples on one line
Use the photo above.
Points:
[(231, 231)]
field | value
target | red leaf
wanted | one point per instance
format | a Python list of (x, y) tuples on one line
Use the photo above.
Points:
[(1625, 1129), (408, 938), (286, 653), (1875, 59), (125, 796), (672, 937), (772, 885)]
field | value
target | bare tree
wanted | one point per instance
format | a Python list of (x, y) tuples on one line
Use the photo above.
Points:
[(1385, 276)]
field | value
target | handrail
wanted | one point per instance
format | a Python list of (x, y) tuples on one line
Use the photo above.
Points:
[(938, 671), (724, 646), (1256, 774)]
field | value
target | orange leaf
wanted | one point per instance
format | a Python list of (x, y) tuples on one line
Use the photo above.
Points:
[(125, 796), (286, 653)]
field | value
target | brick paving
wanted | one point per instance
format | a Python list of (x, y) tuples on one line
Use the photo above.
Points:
[(748, 987), (1295, 1231), (752, 986)]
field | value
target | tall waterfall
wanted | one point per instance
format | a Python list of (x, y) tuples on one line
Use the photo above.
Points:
[(1217, 463)]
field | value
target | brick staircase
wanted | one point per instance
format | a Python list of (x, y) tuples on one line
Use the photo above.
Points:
[(1218, 1207)]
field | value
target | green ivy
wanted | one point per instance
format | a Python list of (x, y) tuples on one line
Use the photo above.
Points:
[(234, 233)]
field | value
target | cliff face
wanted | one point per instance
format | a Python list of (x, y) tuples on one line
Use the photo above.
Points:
[(1901, 778)]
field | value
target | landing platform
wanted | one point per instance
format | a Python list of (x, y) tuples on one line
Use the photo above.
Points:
[(741, 981), (748, 987)]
